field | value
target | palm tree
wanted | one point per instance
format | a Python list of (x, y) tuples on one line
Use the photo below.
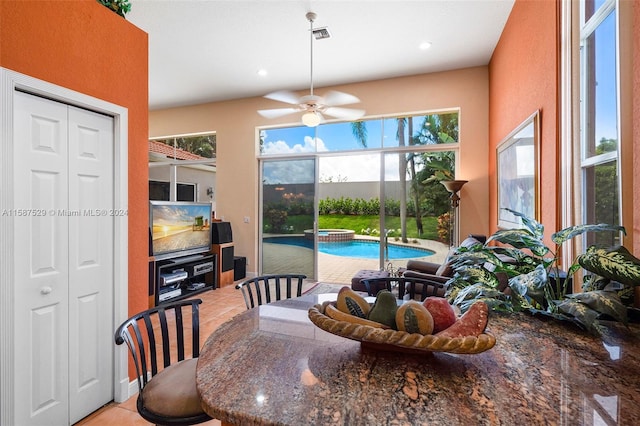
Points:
[(415, 188), (402, 164), (435, 129), (359, 130), (204, 145)]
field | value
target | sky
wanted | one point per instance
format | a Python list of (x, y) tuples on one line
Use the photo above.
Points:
[(351, 167), (356, 166), (605, 61)]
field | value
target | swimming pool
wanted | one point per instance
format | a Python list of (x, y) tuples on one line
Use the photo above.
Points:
[(364, 249)]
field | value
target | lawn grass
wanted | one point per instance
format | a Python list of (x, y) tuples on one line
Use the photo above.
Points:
[(360, 222)]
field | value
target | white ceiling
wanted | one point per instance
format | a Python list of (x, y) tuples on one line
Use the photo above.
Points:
[(211, 50)]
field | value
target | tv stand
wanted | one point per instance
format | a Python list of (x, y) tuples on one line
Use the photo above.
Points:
[(188, 258), (182, 277)]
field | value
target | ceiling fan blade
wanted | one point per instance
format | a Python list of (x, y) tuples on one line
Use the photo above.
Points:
[(334, 98), (344, 113), (284, 96), (277, 112)]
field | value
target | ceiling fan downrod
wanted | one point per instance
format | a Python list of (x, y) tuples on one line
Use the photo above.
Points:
[(311, 17)]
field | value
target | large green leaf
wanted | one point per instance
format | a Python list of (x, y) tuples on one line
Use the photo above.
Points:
[(580, 313), (472, 258), (566, 234), (604, 302), (616, 264), (474, 275), (475, 292), (520, 239), (536, 228), (531, 285), (522, 262)]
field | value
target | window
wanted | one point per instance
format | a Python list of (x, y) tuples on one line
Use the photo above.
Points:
[(396, 162), (159, 191), (599, 133), (372, 134)]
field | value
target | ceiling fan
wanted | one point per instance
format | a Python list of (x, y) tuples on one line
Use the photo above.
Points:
[(312, 105)]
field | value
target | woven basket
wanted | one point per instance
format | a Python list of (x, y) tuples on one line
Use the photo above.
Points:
[(400, 341)]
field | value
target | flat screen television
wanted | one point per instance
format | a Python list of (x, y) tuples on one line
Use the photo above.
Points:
[(179, 228)]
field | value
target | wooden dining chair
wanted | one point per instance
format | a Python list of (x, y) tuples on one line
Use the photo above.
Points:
[(269, 288), (413, 288), (165, 363)]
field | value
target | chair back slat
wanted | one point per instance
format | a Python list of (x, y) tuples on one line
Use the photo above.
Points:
[(179, 333), (195, 327), (152, 345), (262, 289), (419, 288)]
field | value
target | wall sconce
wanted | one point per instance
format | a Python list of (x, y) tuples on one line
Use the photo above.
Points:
[(210, 192)]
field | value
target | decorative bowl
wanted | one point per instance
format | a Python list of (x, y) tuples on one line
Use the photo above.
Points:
[(400, 341)]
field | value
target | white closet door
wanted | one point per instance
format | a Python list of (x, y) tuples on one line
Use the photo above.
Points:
[(90, 261), (63, 261)]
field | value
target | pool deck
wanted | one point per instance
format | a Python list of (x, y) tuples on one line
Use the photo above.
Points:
[(340, 269)]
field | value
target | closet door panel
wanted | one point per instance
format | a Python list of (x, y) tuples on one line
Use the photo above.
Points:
[(41, 261), (91, 261)]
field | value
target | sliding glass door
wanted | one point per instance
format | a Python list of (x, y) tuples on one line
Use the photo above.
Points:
[(288, 220), (371, 188)]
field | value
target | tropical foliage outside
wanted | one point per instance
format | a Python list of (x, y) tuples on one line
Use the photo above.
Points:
[(202, 145)]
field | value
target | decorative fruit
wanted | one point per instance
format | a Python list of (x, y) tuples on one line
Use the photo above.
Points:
[(384, 309), (442, 312), (413, 317), (471, 323), (332, 312), (352, 303)]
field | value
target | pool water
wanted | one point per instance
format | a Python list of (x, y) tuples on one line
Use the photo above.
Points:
[(355, 248)]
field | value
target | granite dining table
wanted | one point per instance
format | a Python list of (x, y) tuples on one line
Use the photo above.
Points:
[(271, 366)]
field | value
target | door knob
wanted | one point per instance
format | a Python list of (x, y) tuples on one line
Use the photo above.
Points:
[(46, 290)]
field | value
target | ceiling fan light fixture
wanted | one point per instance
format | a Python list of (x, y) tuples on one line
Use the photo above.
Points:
[(310, 119), (314, 107)]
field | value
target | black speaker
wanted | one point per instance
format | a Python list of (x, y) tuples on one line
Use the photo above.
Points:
[(221, 233), (239, 267), (226, 263)]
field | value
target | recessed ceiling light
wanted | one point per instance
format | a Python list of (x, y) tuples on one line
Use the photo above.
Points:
[(262, 72), (425, 45)]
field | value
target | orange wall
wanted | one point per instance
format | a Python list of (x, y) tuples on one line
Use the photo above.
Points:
[(83, 46), (522, 79)]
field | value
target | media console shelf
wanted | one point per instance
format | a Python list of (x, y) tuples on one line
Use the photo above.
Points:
[(182, 277)]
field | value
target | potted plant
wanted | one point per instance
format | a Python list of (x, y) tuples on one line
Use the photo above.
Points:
[(522, 274), (121, 7)]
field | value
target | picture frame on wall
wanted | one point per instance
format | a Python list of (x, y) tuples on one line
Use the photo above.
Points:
[(518, 173)]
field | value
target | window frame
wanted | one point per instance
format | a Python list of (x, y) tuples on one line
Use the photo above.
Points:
[(587, 162)]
